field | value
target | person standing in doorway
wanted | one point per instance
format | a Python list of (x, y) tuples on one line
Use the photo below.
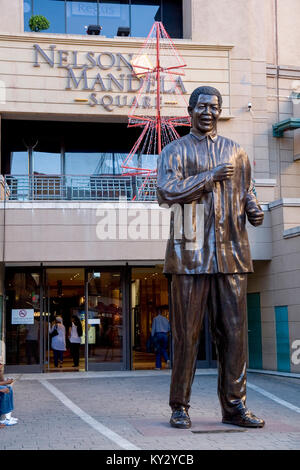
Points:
[(159, 332), (58, 342), (75, 333)]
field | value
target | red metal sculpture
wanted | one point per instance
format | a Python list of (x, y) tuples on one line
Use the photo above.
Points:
[(158, 66)]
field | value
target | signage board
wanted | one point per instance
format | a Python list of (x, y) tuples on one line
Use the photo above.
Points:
[(22, 316)]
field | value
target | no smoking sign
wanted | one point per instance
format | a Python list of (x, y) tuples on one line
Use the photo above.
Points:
[(22, 316)]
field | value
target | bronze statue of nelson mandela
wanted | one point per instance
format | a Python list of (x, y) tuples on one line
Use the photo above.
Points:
[(213, 171)]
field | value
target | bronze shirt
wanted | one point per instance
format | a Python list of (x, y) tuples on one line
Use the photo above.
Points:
[(184, 180)]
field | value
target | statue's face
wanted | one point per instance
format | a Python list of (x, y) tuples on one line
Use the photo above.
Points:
[(205, 114)]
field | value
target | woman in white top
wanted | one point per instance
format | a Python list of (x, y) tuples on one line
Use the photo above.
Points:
[(58, 342), (75, 333)]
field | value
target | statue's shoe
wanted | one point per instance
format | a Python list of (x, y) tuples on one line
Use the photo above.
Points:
[(245, 419), (180, 418)]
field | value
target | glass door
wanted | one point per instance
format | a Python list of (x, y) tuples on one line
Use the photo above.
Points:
[(23, 291), (207, 352), (105, 326), (64, 310), (149, 296)]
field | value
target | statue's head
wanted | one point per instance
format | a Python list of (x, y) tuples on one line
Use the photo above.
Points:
[(205, 107)]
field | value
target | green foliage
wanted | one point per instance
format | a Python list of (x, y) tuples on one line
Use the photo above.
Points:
[(38, 23)]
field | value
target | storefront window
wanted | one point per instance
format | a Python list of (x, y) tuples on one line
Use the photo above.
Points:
[(105, 318)]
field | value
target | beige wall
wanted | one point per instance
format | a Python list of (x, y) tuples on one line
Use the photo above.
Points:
[(70, 232), (11, 17), (279, 284), (288, 12), (42, 90), (237, 22)]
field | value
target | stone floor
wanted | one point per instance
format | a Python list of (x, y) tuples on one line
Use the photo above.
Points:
[(129, 410)]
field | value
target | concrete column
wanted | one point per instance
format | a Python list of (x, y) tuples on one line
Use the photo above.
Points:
[(2, 320), (187, 19), (12, 17), (0, 136)]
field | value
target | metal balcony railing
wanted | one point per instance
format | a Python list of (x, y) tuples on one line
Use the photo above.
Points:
[(78, 188)]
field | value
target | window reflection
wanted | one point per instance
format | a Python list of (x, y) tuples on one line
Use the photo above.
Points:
[(81, 14), (19, 167), (145, 161), (113, 14), (45, 163), (54, 11), (72, 16), (27, 14), (94, 163), (105, 318), (143, 15), (19, 163)]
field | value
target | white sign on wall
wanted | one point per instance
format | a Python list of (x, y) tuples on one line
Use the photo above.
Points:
[(22, 316)]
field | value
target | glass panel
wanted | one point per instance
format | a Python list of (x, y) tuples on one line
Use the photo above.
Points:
[(45, 163), (105, 321), (93, 163), (145, 161), (80, 15), (149, 293), (19, 164), (65, 299), (113, 14), (22, 317), (18, 184), (172, 12), (143, 15), (27, 14), (84, 163), (54, 11)]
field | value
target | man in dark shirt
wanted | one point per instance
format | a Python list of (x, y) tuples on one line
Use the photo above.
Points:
[(203, 169)]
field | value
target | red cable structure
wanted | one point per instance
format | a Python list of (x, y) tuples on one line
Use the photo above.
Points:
[(158, 66)]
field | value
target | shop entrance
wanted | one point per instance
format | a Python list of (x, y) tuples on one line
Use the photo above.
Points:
[(64, 299), (150, 291), (149, 294), (115, 305), (36, 298)]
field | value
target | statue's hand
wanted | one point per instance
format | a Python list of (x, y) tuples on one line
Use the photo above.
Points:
[(256, 218), (222, 172)]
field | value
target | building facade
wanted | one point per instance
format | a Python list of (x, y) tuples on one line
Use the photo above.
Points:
[(76, 236)]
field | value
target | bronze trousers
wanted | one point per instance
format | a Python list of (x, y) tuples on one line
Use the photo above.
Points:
[(224, 297)]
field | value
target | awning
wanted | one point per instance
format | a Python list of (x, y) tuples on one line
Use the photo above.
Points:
[(286, 125)]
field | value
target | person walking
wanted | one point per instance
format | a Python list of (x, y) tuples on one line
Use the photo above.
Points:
[(159, 333), (75, 333), (58, 343)]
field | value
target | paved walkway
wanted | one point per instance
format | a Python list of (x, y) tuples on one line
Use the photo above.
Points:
[(129, 410)]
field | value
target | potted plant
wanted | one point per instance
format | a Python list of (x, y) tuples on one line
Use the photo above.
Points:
[(38, 23)]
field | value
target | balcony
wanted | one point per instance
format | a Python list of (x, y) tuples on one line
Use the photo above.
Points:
[(78, 188)]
